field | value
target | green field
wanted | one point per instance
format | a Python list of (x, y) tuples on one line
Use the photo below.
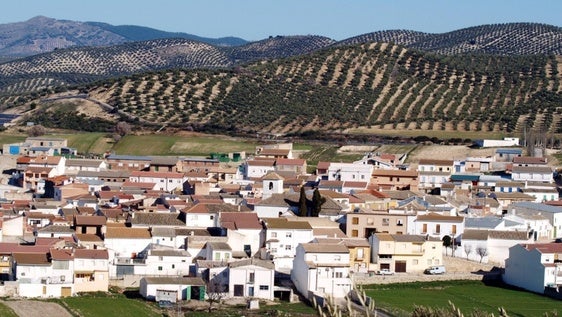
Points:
[(109, 306), (468, 296), (99, 143), (6, 311)]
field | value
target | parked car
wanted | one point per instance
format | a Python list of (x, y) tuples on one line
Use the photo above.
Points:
[(385, 272), (436, 269)]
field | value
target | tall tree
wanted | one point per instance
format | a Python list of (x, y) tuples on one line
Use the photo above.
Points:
[(317, 202), (303, 206)]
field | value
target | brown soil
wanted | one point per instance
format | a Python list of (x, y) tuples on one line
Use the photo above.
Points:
[(33, 308)]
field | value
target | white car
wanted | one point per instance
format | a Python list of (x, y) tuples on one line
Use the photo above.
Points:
[(385, 272)]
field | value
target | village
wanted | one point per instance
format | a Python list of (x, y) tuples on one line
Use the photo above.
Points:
[(261, 227)]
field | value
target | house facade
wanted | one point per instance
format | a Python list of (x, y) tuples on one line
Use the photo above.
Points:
[(321, 269)]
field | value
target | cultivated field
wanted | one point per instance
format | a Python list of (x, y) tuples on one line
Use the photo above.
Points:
[(468, 296)]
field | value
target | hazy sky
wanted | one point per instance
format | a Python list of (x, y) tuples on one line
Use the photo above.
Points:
[(257, 19)]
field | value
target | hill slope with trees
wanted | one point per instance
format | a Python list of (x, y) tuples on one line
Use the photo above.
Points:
[(340, 88)]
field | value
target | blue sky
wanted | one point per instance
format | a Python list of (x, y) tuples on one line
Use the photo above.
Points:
[(257, 19)]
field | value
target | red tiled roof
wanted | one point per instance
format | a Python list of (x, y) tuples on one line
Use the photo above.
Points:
[(240, 220), (285, 161), (89, 220), (545, 247), (91, 254)]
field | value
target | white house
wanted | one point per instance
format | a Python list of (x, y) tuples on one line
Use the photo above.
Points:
[(532, 173), (165, 261), (438, 226), (489, 246), (218, 251), (533, 266), (552, 213), (258, 168), (244, 231), (91, 270), (321, 269), (350, 172), (172, 288), (123, 245), (166, 181), (251, 278), (282, 238)]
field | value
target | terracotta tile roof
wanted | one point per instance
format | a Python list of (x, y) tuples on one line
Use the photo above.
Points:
[(271, 175), (396, 173), (38, 169), (355, 184), (544, 247), (91, 254), (436, 162), (328, 232), (285, 161), (324, 248), (240, 220), (141, 185), (32, 259), (261, 163), (274, 152), (333, 194), (323, 165), (88, 237), (529, 160), (127, 233), (282, 223), (89, 220), (61, 254)]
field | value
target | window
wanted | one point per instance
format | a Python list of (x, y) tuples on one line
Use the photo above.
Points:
[(251, 277), (355, 220), (264, 287), (354, 233), (437, 228), (362, 176), (173, 266), (454, 231), (270, 185), (273, 250), (337, 258), (359, 254), (288, 235), (339, 274), (159, 268), (274, 234), (385, 221), (415, 262), (288, 247), (399, 222)]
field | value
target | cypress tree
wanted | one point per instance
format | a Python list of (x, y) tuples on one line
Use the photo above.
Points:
[(303, 208), (317, 202)]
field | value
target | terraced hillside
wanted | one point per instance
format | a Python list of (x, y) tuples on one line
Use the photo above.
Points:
[(368, 85), (86, 64), (498, 39)]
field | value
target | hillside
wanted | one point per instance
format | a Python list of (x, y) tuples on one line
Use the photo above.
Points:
[(497, 39), (81, 65), (342, 88), (42, 35)]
